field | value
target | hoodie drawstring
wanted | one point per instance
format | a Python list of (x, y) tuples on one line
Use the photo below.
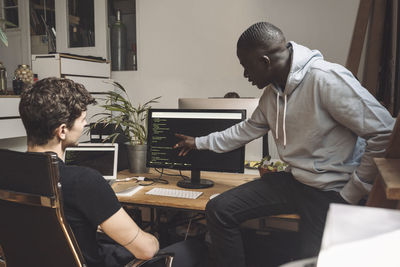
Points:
[(284, 119), (277, 116), (284, 122)]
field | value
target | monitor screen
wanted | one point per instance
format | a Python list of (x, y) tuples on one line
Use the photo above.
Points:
[(97, 156), (163, 124), (256, 149)]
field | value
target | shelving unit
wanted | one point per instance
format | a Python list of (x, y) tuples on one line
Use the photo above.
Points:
[(10, 122), (93, 74)]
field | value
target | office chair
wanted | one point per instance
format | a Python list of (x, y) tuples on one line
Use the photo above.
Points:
[(33, 228), (160, 260)]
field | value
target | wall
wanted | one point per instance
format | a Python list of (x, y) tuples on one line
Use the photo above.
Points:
[(18, 144), (187, 48)]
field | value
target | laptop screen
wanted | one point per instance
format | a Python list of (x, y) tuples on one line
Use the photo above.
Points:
[(101, 157)]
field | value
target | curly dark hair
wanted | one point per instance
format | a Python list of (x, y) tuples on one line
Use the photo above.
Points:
[(50, 102)]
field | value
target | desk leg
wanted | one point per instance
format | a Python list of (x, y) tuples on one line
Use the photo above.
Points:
[(152, 215), (152, 221)]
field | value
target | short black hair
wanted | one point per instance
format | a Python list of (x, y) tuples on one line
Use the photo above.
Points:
[(231, 95), (260, 34), (50, 102)]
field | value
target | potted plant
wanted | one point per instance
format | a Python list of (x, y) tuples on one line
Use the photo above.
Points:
[(131, 120), (266, 165)]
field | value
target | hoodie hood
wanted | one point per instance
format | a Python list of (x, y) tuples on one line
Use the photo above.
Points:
[(302, 59)]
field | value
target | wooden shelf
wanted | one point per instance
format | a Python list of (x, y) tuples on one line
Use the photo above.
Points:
[(10, 96)]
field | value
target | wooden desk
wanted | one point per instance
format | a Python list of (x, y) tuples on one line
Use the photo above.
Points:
[(386, 190), (222, 183)]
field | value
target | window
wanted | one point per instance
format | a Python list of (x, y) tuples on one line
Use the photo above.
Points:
[(81, 23), (10, 13), (43, 25), (122, 24)]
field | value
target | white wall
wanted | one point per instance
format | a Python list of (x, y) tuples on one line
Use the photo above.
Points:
[(18, 144), (187, 48)]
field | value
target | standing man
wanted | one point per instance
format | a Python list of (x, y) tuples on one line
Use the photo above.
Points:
[(327, 128), (53, 112)]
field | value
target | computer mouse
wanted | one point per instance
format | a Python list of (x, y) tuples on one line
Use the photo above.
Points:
[(214, 195)]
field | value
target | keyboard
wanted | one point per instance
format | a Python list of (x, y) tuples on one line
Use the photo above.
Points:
[(174, 193)]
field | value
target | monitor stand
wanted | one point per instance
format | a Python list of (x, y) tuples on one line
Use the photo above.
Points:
[(195, 182)]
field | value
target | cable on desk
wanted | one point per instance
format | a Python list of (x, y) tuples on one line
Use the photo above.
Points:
[(158, 179), (170, 174), (184, 176)]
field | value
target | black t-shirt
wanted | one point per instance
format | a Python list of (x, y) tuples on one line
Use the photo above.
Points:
[(88, 201)]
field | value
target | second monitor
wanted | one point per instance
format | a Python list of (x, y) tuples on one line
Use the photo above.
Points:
[(163, 124), (256, 149)]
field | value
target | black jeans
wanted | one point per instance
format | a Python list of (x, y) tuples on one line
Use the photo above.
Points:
[(275, 193), (189, 253)]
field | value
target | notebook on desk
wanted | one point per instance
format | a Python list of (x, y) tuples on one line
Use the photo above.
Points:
[(102, 157)]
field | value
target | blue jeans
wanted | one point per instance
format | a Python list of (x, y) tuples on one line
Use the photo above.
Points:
[(275, 193)]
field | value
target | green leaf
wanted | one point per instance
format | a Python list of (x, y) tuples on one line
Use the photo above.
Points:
[(3, 37), (121, 112)]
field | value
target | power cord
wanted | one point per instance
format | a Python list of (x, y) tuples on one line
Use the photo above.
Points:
[(171, 174), (145, 181)]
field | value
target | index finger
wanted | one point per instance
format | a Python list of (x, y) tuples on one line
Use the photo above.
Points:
[(182, 136)]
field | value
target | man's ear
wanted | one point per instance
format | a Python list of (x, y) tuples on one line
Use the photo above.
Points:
[(61, 131), (267, 59)]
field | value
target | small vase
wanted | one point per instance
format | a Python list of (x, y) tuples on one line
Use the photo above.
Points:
[(18, 86), (23, 77), (137, 158)]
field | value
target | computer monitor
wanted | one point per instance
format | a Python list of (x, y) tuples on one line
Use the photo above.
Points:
[(163, 124), (256, 149), (101, 157)]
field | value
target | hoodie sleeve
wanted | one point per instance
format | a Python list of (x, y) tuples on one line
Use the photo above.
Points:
[(237, 135), (355, 108)]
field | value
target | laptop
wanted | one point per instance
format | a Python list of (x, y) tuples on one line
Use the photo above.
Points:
[(102, 157)]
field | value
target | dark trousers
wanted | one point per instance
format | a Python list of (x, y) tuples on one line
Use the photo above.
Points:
[(275, 193), (189, 253)]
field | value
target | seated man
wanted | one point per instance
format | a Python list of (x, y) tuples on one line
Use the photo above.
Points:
[(326, 126), (53, 112)]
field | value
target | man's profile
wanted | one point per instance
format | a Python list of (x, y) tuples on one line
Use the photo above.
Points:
[(326, 126), (53, 112)]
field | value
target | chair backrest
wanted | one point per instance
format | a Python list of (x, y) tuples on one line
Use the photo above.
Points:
[(33, 228)]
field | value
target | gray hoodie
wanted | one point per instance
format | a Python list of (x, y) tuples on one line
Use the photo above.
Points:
[(326, 126)]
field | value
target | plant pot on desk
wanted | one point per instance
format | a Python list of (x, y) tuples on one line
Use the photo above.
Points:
[(137, 158), (263, 170)]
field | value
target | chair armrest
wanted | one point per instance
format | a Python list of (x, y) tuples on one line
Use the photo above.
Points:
[(159, 257)]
